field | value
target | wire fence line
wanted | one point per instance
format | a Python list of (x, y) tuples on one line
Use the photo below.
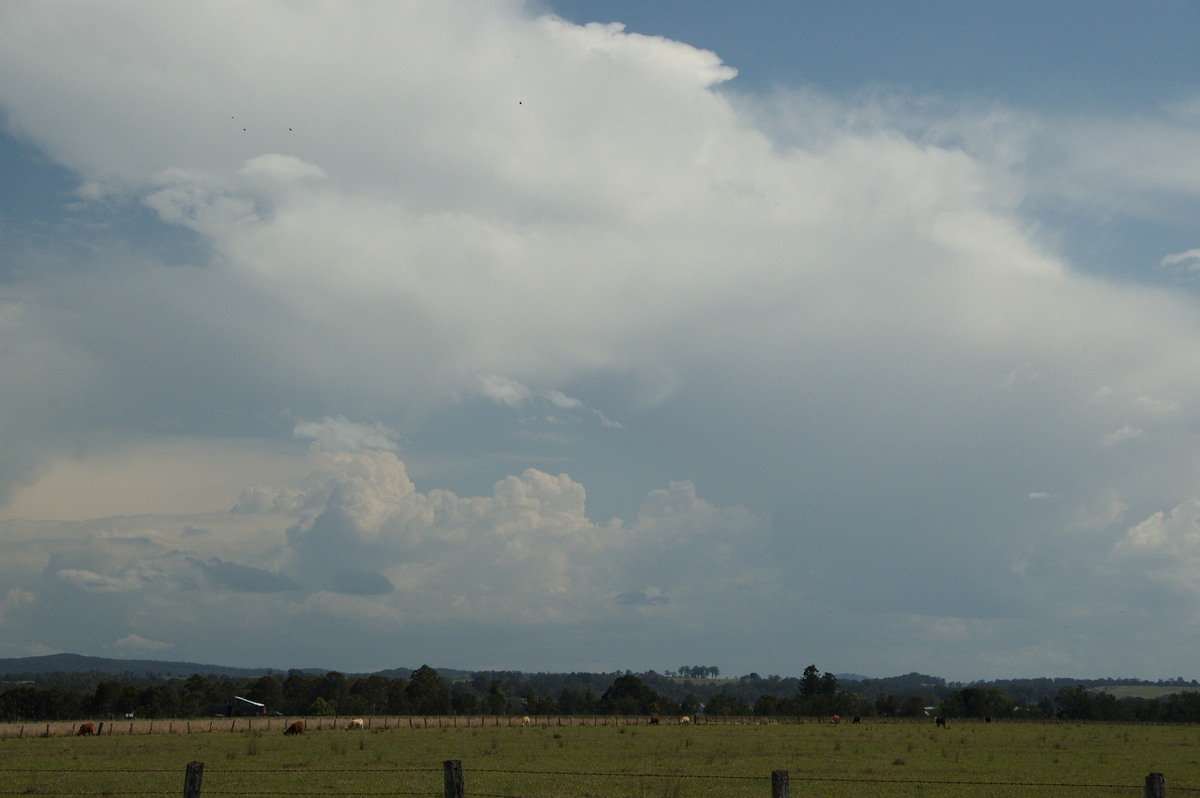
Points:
[(127, 726), (219, 775), (138, 726)]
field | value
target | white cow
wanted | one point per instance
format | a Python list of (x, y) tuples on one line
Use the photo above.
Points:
[(357, 723)]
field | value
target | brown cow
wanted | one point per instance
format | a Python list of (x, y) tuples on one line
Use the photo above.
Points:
[(85, 730), (296, 728)]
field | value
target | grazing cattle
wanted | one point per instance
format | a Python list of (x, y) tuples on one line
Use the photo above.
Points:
[(525, 721), (85, 730), (940, 721), (357, 723), (654, 720), (296, 728), (857, 719), (836, 719), (685, 720), (988, 719)]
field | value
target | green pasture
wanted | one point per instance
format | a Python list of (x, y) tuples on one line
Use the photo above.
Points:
[(873, 758)]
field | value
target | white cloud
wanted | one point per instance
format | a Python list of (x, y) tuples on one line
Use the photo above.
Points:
[(840, 313), (370, 550), (338, 434), (1163, 551), (507, 391), (501, 389), (94, 582), (136, 645), (1189, 259), (1125, 433)]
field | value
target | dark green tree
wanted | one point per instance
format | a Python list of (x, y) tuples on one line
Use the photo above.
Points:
[(159, 701), (766, 706), (334, 687), (267, 690), (319, 706), (1077, 703), (886, 706), (728, 705), (299, 690), (1181, 708), (629, 695), (496, 702), (912, 707), (810, 682), (828, 684), (398, 702), (368, 695), (197, 696), (976, 702), (463, 699), (426, 693), (112, 699)]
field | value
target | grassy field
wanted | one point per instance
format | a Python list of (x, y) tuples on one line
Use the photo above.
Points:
[(873, 758)]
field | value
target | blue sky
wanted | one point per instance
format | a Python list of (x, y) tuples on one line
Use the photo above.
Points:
[(1065, 56), (605, 335)]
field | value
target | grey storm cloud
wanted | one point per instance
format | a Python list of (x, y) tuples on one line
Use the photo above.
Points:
[(361, 583), (645, 598), (244, 578)]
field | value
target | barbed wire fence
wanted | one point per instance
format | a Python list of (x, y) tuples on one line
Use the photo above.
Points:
[(508, 783)]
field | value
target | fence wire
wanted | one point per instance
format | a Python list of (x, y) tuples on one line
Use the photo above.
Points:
[(215, 776), (226, 782)]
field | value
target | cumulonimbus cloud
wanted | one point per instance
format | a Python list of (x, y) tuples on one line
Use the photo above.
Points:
[(841, 313)]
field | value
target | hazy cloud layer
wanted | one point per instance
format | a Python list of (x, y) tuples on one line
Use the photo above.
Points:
[(495, 247), (369, 554)]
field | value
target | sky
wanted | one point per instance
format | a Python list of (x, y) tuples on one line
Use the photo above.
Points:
[(589, 336)]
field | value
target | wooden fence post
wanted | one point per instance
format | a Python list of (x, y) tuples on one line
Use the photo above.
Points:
[(1156, 786), (192, 780), (452, 777), (779, 784)]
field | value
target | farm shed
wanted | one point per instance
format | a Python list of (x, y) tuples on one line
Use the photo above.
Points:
[(237, 707)]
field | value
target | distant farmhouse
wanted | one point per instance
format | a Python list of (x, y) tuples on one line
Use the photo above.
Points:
[(237, 707)]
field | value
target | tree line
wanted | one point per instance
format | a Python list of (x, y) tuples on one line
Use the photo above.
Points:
[(425, 692)]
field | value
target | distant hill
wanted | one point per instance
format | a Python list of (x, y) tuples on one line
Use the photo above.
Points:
[(17, 667), (77, 663), (83, 673)]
